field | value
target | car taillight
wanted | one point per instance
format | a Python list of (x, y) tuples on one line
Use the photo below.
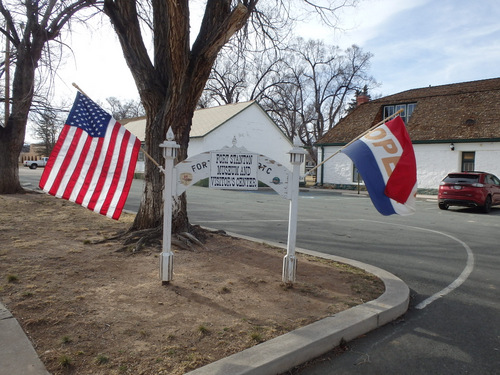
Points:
[(477, 184)]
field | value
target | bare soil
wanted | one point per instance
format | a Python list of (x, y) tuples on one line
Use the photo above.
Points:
[(90, 309)]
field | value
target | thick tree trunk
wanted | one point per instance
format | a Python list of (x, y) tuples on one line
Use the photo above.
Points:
[(171, 84), (10, 148), (12, 136), (150, 214)]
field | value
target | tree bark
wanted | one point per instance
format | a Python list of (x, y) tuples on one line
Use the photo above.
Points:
[(9, 153), (12, 136), (43, 22), (171, 85)]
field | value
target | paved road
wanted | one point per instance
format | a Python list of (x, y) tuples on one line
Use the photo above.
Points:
[(458, 333), (449, 259)]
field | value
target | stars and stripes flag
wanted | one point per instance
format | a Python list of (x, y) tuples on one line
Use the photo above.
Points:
[(93, 161), (386, 161)]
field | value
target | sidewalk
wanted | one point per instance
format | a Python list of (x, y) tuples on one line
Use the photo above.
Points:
[(360, 193), (18, 357)]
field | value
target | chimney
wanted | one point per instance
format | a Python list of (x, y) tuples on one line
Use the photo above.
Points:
[(362, 98)]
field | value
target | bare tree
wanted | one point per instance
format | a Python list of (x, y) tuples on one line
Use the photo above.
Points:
[(171, 78), (321, 79), (29, 25), (304, 86), (227, 81), (46, 128), (243, 75), (124, 110)]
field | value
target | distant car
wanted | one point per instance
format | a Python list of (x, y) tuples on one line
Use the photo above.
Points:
[(34, 164), (469, 189)]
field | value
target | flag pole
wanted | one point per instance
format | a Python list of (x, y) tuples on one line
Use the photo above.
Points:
[(79, 89), (143, 151), (354, 140)]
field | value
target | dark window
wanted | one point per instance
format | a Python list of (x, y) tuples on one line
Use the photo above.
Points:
[(495, 180), (388, 110), (408, 109), (462, 178), (140, 157), (468, 161), (356, 176)]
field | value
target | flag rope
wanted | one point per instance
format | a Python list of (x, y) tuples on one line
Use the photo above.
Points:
[(143, 151), (354, 140)]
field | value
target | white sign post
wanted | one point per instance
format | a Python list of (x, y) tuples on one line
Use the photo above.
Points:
[(170, 148), (229, 168), (289, 261)]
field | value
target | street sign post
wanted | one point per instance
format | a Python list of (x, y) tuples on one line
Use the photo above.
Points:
[(232, 168)]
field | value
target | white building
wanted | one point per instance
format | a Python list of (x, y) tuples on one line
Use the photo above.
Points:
[(214, 128), (453, 128)]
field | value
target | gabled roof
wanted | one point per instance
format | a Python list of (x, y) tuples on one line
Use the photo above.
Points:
[(204, 120), (460, 112), (136, 125)]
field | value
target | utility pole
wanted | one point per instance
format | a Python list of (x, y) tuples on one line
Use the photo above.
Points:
[(7, 76)]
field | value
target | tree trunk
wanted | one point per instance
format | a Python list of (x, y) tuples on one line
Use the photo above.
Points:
[(150, 214), (12, 136), (9, 164), (171, 84)]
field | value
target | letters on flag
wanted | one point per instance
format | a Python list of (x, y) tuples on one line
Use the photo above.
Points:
[(386, 161), (93, 161)]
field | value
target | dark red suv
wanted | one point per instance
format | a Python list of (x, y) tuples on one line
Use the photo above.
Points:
[(469, 189)]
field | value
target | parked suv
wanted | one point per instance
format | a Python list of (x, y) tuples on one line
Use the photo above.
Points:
[(469, 189)]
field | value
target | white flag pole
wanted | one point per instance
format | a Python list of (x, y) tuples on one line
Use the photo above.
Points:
[(297, 155), (170, 148)]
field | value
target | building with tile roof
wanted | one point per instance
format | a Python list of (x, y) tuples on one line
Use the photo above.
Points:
[(214, 128), (453, 127)]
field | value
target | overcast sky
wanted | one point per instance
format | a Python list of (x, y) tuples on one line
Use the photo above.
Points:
[(415, 43)]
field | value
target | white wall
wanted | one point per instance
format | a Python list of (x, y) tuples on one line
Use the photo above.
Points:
[(253, 130), (434, 161)]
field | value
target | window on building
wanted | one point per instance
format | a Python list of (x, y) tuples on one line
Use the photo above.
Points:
[(356, 176), (408, 109), (468, 161), (140, 157)]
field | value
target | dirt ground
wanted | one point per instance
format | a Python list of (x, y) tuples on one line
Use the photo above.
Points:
[(90, 309)]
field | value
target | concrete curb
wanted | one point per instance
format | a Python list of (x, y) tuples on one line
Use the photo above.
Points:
[(276, 356), (17, 356), (282, 353)]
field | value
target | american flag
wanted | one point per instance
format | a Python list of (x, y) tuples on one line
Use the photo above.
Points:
[(93, 161)]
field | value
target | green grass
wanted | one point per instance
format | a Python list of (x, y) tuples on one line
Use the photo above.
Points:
[(102, 359), (65, 361), (203, 329), (66, 339)]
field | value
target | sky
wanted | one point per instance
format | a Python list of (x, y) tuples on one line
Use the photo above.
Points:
[(415, 43)]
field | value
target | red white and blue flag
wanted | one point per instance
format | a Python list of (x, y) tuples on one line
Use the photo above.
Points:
[(386, 161), (93, 161)]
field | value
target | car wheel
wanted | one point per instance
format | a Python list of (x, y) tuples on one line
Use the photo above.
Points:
[(33, 166), (487, 204), (443, 206)]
